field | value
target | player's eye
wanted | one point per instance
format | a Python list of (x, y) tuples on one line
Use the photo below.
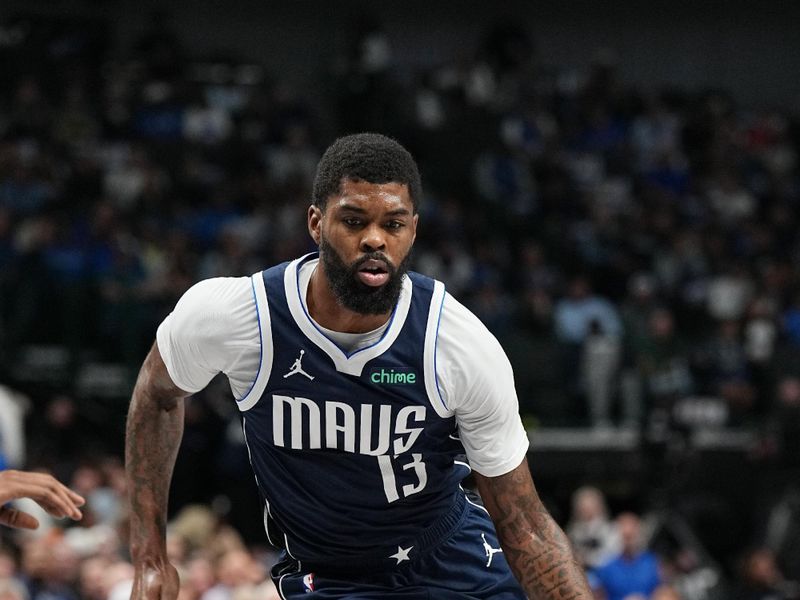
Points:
[(351, 221), (395, 224)]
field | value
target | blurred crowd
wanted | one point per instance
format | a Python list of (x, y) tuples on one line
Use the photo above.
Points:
[(635, 250), (629, 557), (89, 560), (636, 558)]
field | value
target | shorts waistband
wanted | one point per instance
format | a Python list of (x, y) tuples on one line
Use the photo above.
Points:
[(389, 557)]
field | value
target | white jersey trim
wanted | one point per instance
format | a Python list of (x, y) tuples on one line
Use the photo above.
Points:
[(251, 398), (466, 497), (280, 586), (352, 363), (463, 464), (429, 358)]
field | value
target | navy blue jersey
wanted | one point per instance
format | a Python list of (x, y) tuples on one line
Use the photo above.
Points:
[(351, 451)]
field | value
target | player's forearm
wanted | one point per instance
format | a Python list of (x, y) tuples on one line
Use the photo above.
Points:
[(535, 547), (152, 439), (542, 561)]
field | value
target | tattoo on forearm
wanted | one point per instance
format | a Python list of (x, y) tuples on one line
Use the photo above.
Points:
[(153, 434), (534, 545)]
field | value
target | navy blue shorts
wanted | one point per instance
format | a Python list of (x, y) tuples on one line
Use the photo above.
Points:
[(456, 558)]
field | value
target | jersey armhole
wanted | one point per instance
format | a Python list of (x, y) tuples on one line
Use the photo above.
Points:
[(265, 334), (429, 358)]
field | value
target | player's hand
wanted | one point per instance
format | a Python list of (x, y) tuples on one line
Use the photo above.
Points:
[(52, 495), (155, 583)]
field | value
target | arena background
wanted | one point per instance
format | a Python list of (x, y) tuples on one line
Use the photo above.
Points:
[(646, 152)]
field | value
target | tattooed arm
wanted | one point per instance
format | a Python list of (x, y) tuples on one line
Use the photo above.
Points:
[(536, 549), (152, 438)]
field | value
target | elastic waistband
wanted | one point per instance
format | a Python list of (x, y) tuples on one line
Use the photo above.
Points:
[(389, 557)]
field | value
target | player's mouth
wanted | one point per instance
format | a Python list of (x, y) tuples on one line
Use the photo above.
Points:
[(373, 273)]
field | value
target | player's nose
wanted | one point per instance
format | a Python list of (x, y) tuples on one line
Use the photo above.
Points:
[(373, 239)]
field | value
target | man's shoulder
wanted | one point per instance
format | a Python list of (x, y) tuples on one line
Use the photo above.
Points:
[(464, 338), (463, 318), (221, 284), (217, 295)]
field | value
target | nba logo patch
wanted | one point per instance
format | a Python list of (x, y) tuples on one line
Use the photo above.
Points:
[(308, 582)]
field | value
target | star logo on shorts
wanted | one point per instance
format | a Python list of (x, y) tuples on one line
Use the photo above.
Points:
[(401, 554)]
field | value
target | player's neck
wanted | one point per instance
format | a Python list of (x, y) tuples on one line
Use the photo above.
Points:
[(325, 309)]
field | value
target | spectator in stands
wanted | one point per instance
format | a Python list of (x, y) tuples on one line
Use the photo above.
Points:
[(664, 363), (90, 481), (92, 578), (235, 569), (594, 537), (639, 303), (686, 576), (634, 571), (599, 367), (727, 375), (51, 568), (760, 337), (761, 579), (198, 575), (573, 316), (579, 308)]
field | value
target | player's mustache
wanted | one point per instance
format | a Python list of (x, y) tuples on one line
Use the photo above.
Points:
[(374, 256)]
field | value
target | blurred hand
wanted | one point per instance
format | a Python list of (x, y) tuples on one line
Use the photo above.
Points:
[(52, 495), (155, 583)]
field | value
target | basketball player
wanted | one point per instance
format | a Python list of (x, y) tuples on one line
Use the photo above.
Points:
[(52, 495), (360, 385)]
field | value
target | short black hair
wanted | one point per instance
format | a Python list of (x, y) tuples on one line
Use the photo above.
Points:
[(369, 157)]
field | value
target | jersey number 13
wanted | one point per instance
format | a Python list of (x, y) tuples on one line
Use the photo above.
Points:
[(388, 464)]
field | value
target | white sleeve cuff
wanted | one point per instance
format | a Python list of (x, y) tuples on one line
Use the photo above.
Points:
[(163, 340)]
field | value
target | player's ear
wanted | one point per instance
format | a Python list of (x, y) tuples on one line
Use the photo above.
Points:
[(315, 223)]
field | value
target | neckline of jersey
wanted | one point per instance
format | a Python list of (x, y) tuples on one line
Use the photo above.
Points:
[(313, 332)]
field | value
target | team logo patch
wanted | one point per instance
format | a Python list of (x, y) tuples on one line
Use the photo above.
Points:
[(308, 582), (393, 376)]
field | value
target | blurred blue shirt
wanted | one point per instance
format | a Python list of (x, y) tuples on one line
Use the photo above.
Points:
[(624, 576)]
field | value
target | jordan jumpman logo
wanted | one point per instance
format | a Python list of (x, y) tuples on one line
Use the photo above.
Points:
[(297, 367), (490, 552)]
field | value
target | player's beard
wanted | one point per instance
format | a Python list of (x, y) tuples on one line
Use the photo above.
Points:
[(355, 295)]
